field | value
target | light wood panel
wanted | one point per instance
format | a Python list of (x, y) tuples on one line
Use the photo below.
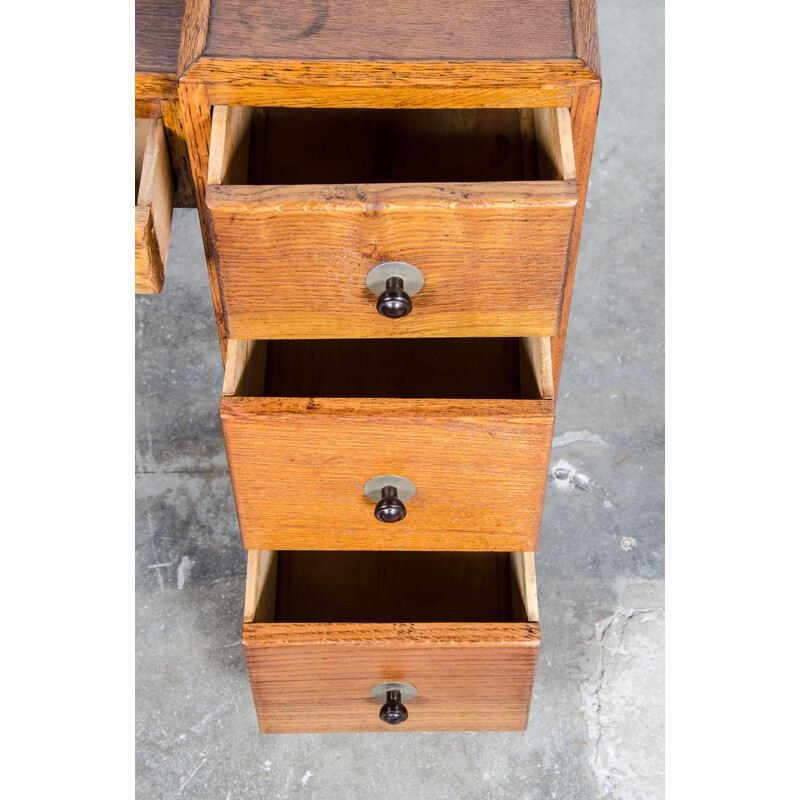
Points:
[(154, 202)]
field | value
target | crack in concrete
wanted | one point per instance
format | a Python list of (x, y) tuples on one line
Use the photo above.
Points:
[(625, 679)]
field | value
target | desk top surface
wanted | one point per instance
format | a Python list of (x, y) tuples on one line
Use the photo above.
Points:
[(386, 30), (158, 35)]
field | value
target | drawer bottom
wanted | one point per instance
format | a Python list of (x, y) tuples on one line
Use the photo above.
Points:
[(322, 629)]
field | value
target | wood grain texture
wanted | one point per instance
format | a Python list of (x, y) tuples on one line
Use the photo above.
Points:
[(556, 161), (298, 467), (147, 109), (196, 119), (154, 202), (293, 261), (156, 86), (584, 122), (370, 84), (158, 34), (317, 676), (397, 95), (310, 30), (229, 145), (475, 677), (194, 28), (158, 27), (178, 152), (584, 26)]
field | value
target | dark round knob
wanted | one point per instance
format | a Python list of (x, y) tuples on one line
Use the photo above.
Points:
[(389, 508), (394, 302), (393, 711)]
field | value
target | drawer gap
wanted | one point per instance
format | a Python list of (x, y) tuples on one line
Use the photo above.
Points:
[(402, 368), (302, 146), (487, 368), (386, 587)]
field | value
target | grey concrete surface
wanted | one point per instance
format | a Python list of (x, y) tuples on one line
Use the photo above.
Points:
[(596, 724)]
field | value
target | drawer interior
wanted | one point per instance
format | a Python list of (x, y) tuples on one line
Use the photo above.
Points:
[(289, 146), (480, 368), (390, 587)]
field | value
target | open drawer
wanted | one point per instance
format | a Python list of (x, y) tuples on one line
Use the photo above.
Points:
[(316, 429), (304, 203), (155, 194), (324, 630)]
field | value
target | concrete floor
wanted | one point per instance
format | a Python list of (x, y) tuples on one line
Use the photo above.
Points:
[(596, 726)]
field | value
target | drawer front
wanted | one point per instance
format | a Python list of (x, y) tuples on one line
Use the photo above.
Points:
[(298, 469), (303, 204), (293, 260), (155, 195), (318, 677), (301, 455)]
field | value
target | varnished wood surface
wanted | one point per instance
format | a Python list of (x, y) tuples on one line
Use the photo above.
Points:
[(584, 122), (391, 84), (584, 26), (310, 30), (292, 262), (372, 586), (317, 676), (158, 35), (298, 467), (196, 119), (158, 32), (469, 677)]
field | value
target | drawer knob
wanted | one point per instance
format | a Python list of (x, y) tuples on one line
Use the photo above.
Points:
[(389, 492), (390, 507), (394, 284), (393, 712), (393, 301)]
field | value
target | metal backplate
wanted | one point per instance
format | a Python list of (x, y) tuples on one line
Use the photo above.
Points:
[(407, 691), (405, 489), (412, 277)]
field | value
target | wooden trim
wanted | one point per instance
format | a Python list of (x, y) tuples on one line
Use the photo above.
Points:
[(259, 594), (511, 411), (584, 34), (179, 154), (349, 197), (526, 77), (147, 109), (584, 123), (397, 634), (156, 86), (196, 119), (291, 96), (228, 149), (194, 31)]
